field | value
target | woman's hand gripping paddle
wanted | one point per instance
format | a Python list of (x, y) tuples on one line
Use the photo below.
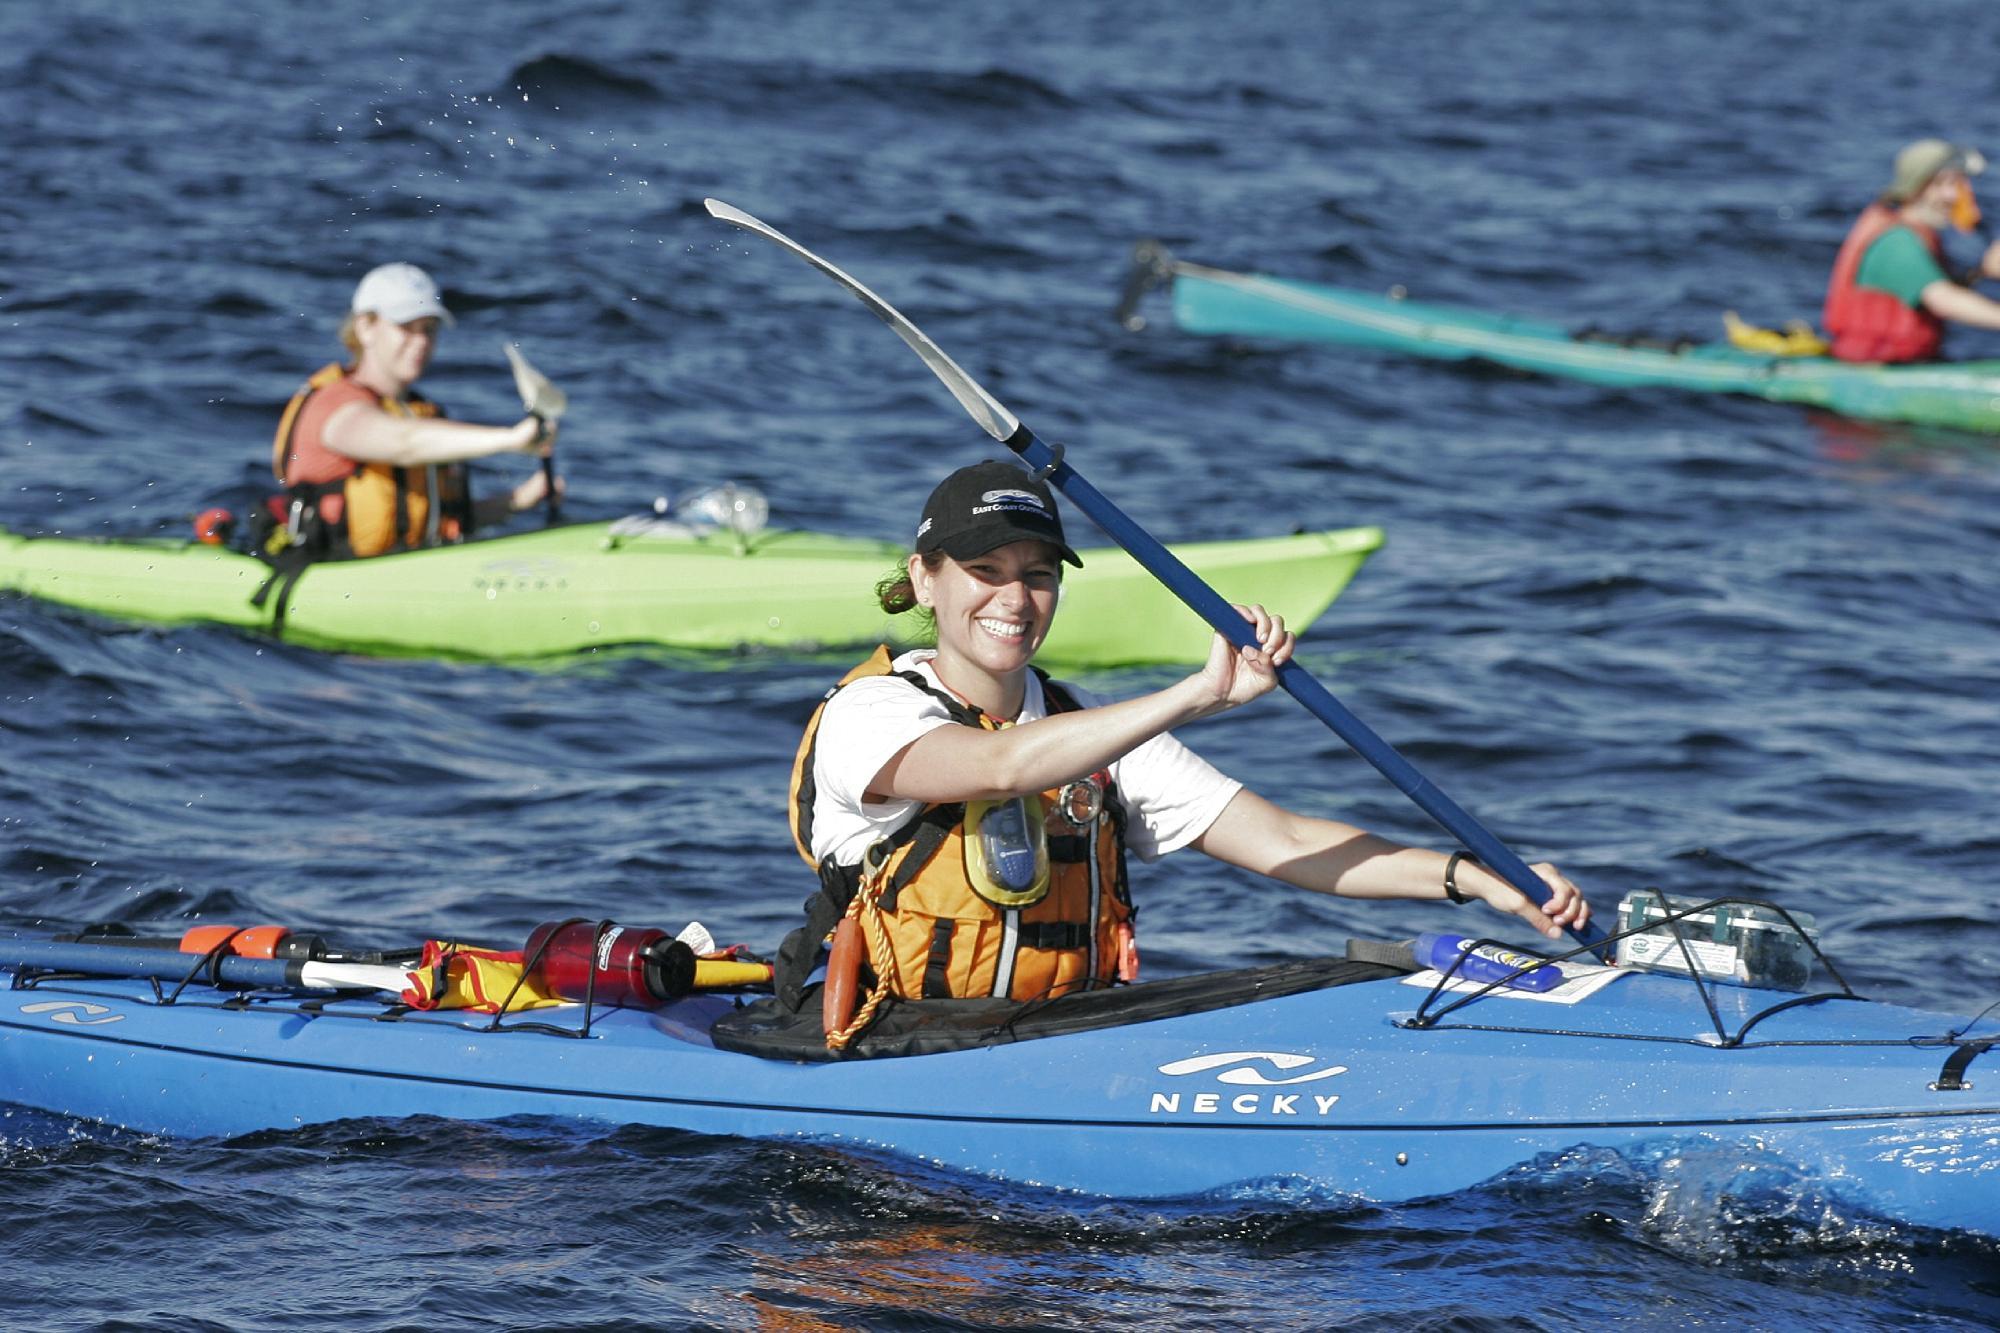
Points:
[(544, 402), (1005, 427)]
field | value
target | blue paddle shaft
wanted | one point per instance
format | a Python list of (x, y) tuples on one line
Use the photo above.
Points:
[(1185, 584)]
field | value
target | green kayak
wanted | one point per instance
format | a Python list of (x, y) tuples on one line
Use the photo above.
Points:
[(590, 585), (1963, 395)]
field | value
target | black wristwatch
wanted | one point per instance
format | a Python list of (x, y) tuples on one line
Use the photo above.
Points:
[(1451, 872)]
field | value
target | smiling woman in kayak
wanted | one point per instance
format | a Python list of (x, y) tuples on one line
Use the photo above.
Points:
[(969, 817), (371, 466)]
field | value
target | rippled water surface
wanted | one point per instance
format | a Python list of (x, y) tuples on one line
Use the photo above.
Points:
[(1705, 644)]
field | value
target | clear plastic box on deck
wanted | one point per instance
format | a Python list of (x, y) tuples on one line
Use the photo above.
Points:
[(1743, 943)]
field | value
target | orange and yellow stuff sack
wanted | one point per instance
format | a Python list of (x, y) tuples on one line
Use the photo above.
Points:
[(449, 975)]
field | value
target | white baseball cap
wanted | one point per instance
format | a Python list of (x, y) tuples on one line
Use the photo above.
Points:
[(400, 293)]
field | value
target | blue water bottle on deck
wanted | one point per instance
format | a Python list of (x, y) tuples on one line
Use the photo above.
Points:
[(1456, 956)]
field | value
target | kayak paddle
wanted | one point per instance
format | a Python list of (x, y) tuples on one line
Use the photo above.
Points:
[(544, 402), (172, 965), (1163, 565), (279, 942)]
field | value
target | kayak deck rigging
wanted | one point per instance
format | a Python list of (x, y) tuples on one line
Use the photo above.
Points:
[(1306, 1071), (765, 1028)]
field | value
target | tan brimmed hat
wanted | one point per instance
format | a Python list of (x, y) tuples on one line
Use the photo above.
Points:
[(1919, 163)]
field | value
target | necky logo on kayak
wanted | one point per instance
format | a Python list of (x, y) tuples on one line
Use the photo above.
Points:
[(1248, 1069), (76, 1013)]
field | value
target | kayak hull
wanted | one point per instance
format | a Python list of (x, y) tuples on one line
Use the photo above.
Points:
[(570, 589), (1961, 395), (1329, 1088)]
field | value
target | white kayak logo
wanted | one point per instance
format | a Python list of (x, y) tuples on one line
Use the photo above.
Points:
[(1248, 1069), (1282, 1059), (76, 1013)]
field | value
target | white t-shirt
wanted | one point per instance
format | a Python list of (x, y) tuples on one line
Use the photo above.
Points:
[(1171, 794)]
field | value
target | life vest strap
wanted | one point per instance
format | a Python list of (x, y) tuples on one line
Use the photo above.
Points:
[(1055, 934), (1069, 848), (800, 949), (937, 967), (400, 517), (924, 835), (286, 571)]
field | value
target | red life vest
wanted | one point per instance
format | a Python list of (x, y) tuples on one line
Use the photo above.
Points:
[(1867, 324)]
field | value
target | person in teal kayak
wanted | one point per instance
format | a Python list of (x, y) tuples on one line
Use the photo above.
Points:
[(369, 465), (1890, 295), (970, 817)]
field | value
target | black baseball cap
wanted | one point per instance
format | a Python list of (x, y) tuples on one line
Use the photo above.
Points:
[(988, 505)]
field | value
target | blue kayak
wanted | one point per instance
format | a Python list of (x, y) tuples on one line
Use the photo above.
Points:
[(1335, 1073), (1962, 395)]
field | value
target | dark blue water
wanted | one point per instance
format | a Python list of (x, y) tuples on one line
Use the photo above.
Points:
[(1709, 645)]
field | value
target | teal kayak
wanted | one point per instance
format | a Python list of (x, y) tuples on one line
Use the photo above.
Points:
[(581, 586), (1963, 395)]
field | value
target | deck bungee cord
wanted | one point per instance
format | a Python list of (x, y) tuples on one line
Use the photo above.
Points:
[(597, 965)]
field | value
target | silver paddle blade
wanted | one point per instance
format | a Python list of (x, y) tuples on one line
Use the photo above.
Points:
[(538, 396), (996, 420)]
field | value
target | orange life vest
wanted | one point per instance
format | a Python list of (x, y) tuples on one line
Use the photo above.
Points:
[(928, 932), (379, 507), (1871, 325)]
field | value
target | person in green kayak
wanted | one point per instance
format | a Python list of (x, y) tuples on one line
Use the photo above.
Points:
[(1890, 295), (970, 817), (369, 465)]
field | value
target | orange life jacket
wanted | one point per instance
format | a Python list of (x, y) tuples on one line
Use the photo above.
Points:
[(1871, 325), (928, 933), (380, 507)]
